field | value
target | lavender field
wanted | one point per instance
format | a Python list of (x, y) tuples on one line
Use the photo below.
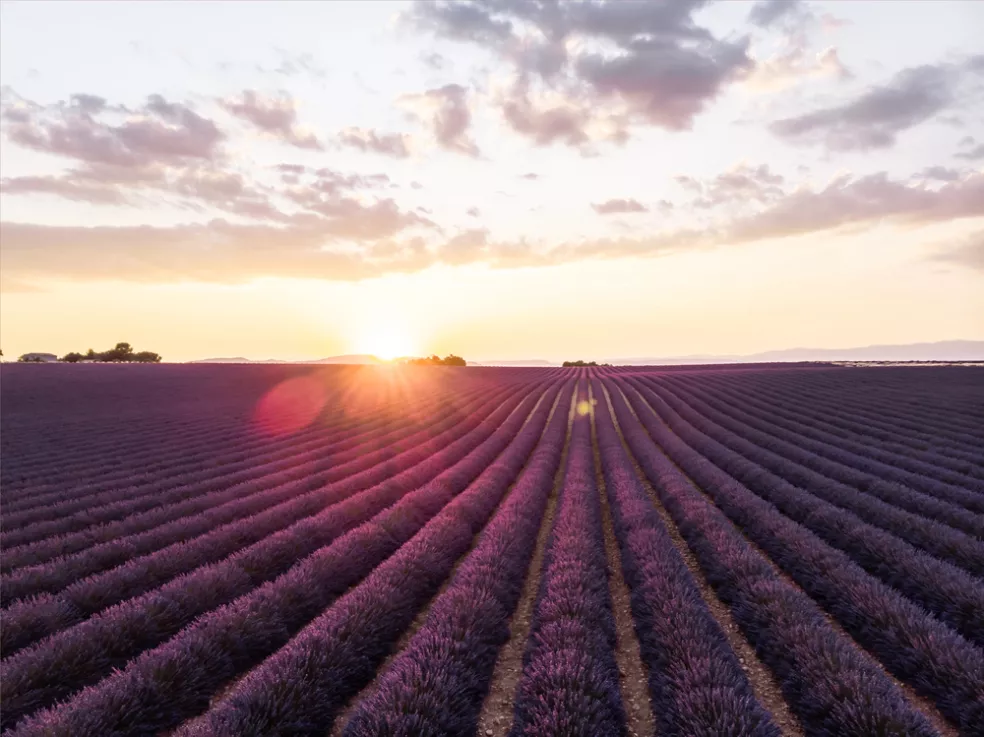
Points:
[(751, 550)]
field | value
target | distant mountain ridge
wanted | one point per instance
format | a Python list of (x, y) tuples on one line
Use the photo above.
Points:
[(351, 359), (945, 350), (520, 362)]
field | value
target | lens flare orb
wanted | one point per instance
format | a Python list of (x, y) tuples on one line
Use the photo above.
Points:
[(290, 406)]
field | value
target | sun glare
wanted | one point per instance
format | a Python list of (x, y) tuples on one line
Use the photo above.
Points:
[(387, 343)]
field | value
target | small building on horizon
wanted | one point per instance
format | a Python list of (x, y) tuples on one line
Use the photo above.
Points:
[(38, 358)]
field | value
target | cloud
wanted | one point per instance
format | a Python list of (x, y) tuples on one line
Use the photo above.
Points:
[(462, 22), (349, 218), (396, 145), (972, 151), (665, 84), (87, 129), (446, 110), (434, 60), (968, 253), (292, 65), (875, 118), (796, 60), (545, 126), (467, 247), (215, 252), (473, 212), (974, 154), (328, 202), (69, 188), (866, 199), (224, 190), (194, 186), (532, 176), (767, 12), (612, 207), (113, 166), (741, 184), (342, 238), (275, 116), (584, 70), (939, 173), (794, 64)]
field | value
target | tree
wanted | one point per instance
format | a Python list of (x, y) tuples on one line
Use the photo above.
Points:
[(121, 352), (435, 360), (579, 363)]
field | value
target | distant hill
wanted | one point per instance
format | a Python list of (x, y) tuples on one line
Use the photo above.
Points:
[(354, 358), (237, 359), (946, 350), (520, 362)]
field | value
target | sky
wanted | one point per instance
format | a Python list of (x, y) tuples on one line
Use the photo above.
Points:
[(507, 179)]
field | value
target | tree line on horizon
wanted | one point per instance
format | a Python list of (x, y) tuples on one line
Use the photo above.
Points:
[(435, 360), (120, 353), (579, 364)]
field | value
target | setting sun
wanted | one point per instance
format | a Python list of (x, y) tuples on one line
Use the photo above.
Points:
[(386, 343)]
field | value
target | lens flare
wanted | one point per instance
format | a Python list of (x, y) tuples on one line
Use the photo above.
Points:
[(290, 406)]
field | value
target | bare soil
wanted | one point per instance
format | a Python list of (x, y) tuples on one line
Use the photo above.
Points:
[(496, 716)]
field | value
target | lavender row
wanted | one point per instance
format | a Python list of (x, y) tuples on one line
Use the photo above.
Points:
[(812, 662), (927, 389), (816, 420), (913, 645), (438, 683), (179, 454), (33, 467), (952, 594), (882, 504), (189, 459), (151, 443), (953, 505), (837, 387), (144, 533), (867, 456), (188, 453), (253, 493), (937, 426), (933, 391), (190, 470), (41, 616), (218, 395), (569, 683), (864, 437), (696, 682), (235, 437), (342, 545), (301, 689)]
